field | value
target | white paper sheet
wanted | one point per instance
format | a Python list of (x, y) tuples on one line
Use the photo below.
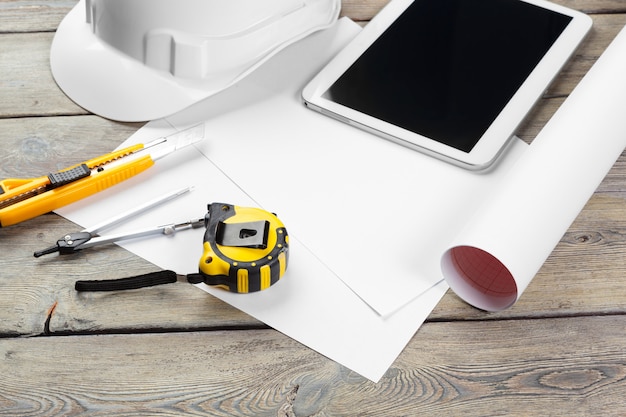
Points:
[(310, 303)]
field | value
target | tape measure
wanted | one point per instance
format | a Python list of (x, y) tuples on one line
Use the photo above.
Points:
[(245, 249)]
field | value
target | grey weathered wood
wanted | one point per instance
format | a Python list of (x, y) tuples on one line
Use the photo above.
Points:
[(33, 145), (448, 369), (28, 88), (174, 350), (45, 15), (33, 16)]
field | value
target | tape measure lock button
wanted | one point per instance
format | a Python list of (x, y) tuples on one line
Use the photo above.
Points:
[(245, 249)]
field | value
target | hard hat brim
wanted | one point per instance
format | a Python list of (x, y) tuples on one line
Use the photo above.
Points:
[(106, 82)]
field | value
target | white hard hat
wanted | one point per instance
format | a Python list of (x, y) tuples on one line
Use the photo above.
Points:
[(138, 60)]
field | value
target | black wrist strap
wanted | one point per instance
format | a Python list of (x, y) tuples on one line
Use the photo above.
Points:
[(140, 281)]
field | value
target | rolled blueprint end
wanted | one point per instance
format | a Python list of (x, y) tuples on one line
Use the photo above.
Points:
[(493, 259), (479, 278)]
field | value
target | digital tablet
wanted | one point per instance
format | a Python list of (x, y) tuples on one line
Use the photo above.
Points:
[(451, 78)]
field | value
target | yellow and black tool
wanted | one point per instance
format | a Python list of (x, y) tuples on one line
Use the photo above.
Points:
[(23, 199), (245, 249)]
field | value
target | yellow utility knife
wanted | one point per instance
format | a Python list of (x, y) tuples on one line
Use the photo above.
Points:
[(23, 199)]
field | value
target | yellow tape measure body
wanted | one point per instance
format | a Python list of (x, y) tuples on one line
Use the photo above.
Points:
[(245, 249)]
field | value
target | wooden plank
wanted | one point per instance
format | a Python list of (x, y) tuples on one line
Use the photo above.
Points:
[(605, 28), (462, 362), (28, 88), (33, 16), (32, 146), (537, 119), (584, 275), (520, 367), (39, 296), (45, 15), (363, 10)]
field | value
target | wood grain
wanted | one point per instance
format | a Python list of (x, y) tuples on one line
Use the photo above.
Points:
[(33, 16), (28, 88), (45, 15), (174, 350), (477, 370), (30, 145)]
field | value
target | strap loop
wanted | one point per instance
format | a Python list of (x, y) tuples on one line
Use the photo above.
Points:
[(140, 281)]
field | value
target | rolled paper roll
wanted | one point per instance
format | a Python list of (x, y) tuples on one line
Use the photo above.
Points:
[(493, 259)]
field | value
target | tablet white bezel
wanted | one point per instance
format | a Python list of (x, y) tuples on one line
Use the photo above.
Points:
[(502, 128)]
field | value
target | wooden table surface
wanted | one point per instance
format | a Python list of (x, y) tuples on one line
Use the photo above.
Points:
[(174, 350)]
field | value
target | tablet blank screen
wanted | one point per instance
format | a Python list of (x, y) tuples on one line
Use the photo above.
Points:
[(446, 68)]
